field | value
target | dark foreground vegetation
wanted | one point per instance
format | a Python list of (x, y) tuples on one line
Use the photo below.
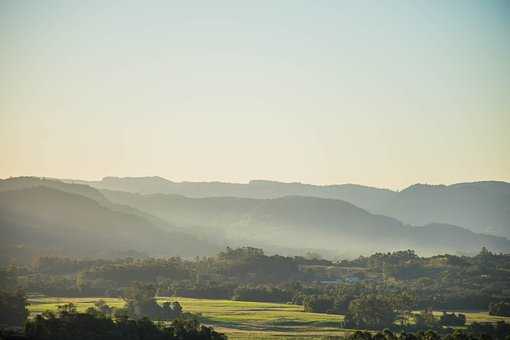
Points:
[(133, 322), (382, 291), (442, 282), (479, 332), (500, 308), (93, 325), (102, 321)]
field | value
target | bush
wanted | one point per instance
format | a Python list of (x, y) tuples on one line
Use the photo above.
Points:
[(452, 319), (370, 312), (141, 303), (425, 320), (83, 326), (500, 309), (13, 311)]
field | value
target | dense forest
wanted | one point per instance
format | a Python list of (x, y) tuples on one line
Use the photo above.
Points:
[(97, 323), (133, 322), (439, 282), (374, 292)]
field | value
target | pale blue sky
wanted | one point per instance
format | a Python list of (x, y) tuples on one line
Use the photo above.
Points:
[(384, 93)]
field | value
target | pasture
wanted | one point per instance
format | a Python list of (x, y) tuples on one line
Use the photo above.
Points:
[(245, 320)]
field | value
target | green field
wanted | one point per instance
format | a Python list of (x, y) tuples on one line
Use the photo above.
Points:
[(246, 320)]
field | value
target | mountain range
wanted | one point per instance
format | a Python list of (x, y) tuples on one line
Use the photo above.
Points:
[(482, 207), (48, 216), (306, 222)]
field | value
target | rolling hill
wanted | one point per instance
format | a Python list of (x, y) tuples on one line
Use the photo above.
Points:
[(307, 222), (362, 196), (42, 220), (482, 207), (58, 217)]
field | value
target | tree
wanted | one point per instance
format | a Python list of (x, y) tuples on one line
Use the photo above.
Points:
[(426, 320), (500, 308), (370, 312), (403, 303), (360, 335), (103, 308), (452, 319), (317, 304), (71, 325), (141, 302), (13, 311)]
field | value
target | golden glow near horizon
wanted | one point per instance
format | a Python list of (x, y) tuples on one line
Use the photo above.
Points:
[(377, 93)]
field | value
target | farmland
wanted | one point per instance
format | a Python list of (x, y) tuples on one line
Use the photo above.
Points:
[(245, 320), (238, 319)]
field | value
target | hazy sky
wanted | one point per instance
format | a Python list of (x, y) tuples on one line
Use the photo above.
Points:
[(384, 93)]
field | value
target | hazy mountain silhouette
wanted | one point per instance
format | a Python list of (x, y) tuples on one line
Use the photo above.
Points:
[(60, 217), (16, 183), (307, 222), (362, 196), (482, 207), (47, 220)]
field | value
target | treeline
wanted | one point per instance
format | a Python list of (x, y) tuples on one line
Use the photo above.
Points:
[(440, 282), (476, 331), (133, 321), (500, 309), (86, 326), (102, 322)]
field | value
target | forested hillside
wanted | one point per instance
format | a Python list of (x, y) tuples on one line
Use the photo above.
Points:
[(482, 207), (307, 222), (41, 220), (44, 217)]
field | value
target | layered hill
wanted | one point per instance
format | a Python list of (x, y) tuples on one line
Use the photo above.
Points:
[(56, 217), (307, 222), (362, 196), (482, 207), (43, 220)]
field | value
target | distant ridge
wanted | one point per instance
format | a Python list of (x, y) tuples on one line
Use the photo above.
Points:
[(483, 207), (363, 196), (161, 223), (40, 216), (307, 222)]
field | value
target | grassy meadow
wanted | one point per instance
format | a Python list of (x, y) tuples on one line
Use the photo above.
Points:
[(245, 320)]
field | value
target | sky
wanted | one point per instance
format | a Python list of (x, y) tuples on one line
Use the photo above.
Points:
[(382, 93)]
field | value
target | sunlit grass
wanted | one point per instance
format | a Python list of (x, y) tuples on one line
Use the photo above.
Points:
[(246, 320), (238, 319), (39, 305), (270, 314), (478, 316)]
